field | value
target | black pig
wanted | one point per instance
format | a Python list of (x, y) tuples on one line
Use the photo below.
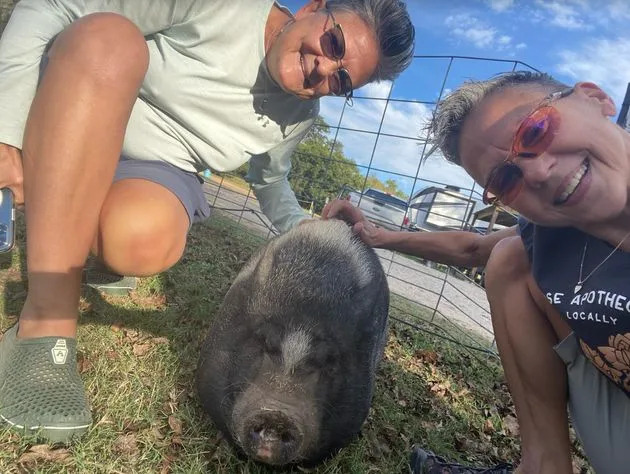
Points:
[(287, 370)]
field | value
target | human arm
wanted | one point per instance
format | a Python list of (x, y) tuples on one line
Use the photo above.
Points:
[(277, 200), (268, 174), (461, 248), (457, 247)]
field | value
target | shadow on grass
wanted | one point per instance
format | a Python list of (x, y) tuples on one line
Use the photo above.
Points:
[(138, 354)]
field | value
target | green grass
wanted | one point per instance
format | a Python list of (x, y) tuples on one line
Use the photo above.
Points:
[(138, 353)]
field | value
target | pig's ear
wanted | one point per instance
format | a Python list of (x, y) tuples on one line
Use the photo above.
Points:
[(264, 265), (372, 298)]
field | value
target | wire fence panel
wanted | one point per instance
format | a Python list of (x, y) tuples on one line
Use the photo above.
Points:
[(382, 141)]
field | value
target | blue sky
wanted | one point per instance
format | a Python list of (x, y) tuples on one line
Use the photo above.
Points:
[(574, 40)]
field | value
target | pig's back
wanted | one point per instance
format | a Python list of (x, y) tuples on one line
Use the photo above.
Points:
[(320, 261)]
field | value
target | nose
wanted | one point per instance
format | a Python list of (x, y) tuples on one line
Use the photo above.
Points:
[(537, 170), (273, 438), (325, 66)]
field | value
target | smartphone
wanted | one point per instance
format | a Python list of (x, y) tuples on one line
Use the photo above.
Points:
[(7, 220)]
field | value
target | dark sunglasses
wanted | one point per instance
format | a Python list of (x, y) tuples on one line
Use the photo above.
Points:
[(336, 49), (532, 138)]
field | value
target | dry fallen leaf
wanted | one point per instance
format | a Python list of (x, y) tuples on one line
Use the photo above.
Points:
[(132, 335), (83, 363), (488, 427), (43, 452), (175, 424), (141, 349), (126, 444), (427, 355), (159, 340)]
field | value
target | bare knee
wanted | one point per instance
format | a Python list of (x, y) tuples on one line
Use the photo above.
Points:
[(135, 241), (507, 279), (508, 265), (106, 47)]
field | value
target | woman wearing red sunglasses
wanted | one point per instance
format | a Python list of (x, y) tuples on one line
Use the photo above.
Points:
[(560, 292)]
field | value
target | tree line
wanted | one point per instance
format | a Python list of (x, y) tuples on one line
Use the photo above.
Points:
[(320, 170)]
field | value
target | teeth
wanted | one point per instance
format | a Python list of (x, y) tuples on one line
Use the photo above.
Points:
[(577, 177)]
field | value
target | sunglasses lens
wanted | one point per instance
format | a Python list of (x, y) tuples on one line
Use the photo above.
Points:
[(345, 83), (536, 132), (504, 184), (337, 43)]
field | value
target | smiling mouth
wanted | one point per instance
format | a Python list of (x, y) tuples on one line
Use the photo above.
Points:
[(574, 182), (307, 83)]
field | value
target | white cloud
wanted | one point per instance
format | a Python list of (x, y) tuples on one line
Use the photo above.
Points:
[(603, 61), (375, 89), (500, 5), (563, 14), (478, 32), (619, 9), (521, 46), (395, 154)]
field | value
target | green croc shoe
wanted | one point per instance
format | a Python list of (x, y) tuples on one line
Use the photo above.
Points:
[(99, 277), (41, 391)]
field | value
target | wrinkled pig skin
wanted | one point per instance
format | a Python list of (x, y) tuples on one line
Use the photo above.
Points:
[(287, 370)]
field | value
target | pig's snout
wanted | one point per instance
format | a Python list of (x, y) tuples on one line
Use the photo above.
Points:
[(272, 437)]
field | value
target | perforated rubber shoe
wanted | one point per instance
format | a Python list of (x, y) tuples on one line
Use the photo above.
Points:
[(41, 391), (425, 462), (101, 278)]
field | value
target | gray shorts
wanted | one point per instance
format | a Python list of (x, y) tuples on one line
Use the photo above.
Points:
[(187, 186), (600, 411)]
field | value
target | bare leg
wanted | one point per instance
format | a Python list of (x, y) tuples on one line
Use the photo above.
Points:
[(142, 228), (535, 374), (71, 146)]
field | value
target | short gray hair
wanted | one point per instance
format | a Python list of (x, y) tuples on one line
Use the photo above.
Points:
[(451, 112), (391, 24)]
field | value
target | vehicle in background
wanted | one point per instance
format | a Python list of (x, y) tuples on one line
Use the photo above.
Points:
[(440, 208), (379, 207)]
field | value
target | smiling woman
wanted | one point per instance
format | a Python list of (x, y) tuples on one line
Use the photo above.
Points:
[(558, 293), (335, 46), (126, 102)]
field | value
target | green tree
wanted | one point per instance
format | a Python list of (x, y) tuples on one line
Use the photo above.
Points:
[(318, 174), (320, 170), (389, 186)]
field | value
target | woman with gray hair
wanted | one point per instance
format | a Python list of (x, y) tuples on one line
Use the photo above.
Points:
[(109, 108), (560, 292)]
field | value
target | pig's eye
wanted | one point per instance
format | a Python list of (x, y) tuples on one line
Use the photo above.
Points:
[(272, 346), (322, 361), (273, 351), (270, 340)]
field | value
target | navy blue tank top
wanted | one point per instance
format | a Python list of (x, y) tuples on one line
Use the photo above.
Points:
[(599, 312)]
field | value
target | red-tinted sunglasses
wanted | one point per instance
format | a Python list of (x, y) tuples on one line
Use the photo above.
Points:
[(532, 138)]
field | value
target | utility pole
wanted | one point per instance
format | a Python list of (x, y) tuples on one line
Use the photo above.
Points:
[(622, 120)]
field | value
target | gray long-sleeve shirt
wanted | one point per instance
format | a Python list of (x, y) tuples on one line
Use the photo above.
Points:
[(207, 99)]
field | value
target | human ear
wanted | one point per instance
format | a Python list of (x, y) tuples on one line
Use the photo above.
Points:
[(592, 90), (311, 6)]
